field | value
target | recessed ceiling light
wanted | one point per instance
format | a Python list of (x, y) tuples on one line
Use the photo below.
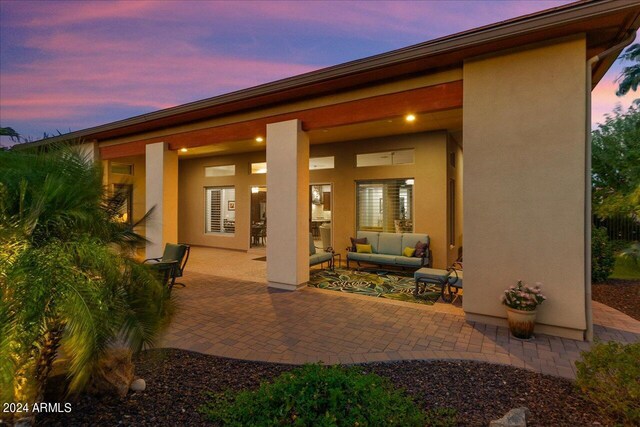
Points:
[(183, 150), (259, 139), (410, 118)]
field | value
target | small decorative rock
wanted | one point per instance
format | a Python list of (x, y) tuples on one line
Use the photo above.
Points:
[(514, 418), (138, 385)]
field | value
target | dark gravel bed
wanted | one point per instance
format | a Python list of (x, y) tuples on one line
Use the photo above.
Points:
[(177, 381), (623, 295)]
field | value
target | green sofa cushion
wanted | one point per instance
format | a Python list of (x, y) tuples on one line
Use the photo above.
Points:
[(390, 244), (431, 273), (383, 259), (358, 256), (319, 258), (408, 261)]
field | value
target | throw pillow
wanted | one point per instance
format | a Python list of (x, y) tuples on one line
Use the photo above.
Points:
[(354, 241), (363, 249), (420, 249), (409, 251)]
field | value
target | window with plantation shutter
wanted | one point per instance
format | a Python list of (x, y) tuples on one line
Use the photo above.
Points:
[(220, 210), (385, 205)]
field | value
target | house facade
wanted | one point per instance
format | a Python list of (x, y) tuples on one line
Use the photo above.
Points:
[(479, 139)]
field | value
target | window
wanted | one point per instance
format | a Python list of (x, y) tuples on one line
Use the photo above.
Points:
[(258, 168), (386, 158), (121, 168), (385, 205), (213, 171), (124, 194), (220, 210), (317, 163)]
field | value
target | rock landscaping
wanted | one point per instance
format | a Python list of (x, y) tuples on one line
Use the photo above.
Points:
[(179, 382)]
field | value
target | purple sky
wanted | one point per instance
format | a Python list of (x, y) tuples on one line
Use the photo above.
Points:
[(72, 65)]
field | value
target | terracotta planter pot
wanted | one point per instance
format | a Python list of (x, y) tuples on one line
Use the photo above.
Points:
[(521, 322)]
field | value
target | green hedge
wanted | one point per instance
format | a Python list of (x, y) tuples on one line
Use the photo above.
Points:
[(323, 396), (602, 255), (609, 376)]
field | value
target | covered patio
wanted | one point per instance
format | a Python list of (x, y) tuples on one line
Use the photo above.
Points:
[(237, 317)]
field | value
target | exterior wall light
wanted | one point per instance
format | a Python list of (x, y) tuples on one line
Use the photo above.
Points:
[(410, 118), (183, 150), (259, 139)]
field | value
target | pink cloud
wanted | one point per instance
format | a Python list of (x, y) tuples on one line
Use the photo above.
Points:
[(132, 78)]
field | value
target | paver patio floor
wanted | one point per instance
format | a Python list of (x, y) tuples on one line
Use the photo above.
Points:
[(247, 320)]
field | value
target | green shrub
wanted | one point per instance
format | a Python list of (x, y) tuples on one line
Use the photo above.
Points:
[(632, 253), (609, 376), (321, 396), (602, 256)]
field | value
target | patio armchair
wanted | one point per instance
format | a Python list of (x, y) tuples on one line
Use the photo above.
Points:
[(165, 271), (176, 254), (316, 257)]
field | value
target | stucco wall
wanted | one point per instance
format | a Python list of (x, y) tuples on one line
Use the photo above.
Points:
[(429, 172), (524, 135), (191, 196)]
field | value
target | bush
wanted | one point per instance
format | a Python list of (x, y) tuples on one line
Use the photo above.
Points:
[(602, 256), (322, 396), (608, 375)]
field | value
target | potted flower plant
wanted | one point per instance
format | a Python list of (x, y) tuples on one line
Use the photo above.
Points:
[(522, 301)]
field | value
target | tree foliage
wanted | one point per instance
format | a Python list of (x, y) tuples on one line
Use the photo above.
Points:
[(616, 164), (68, 277), (629, 78)]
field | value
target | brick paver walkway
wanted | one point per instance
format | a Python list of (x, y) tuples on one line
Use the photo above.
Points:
[(246, 320)]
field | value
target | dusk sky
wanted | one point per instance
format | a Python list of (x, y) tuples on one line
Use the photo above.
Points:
[(72, 65)]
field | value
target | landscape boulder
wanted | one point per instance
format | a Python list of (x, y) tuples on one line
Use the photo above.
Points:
[(514, 418)]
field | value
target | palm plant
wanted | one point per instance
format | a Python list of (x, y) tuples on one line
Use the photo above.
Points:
[(68, 276), (629, 77)]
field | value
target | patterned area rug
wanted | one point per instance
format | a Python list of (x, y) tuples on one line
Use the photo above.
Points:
[(376, 283)]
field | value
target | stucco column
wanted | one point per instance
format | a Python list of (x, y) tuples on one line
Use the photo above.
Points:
[(287, 205), (162, 196)]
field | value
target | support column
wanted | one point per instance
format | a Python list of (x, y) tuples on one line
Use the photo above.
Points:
[(287, 205), (162, 196)]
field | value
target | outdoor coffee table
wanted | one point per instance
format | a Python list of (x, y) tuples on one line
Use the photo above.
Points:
[(450, 279)]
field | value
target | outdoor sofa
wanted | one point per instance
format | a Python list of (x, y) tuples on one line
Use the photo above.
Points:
[(387, 249)]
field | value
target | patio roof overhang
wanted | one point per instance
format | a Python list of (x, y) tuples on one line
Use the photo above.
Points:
[(441, 97), (605, 23)]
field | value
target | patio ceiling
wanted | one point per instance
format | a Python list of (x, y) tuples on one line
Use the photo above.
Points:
[(450, 120)]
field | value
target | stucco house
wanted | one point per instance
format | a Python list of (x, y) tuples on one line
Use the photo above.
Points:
[(479, 139)]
